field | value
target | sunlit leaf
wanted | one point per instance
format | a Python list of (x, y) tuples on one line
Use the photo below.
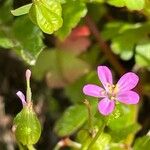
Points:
[(21, 10), (47, 15), (130, 4)]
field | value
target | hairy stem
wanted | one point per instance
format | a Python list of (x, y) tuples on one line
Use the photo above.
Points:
[(90, 120)]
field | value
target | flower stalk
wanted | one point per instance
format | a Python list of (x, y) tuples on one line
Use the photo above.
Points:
[(90, 120)]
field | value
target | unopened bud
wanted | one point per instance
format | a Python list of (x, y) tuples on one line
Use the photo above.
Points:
[(28, 74)]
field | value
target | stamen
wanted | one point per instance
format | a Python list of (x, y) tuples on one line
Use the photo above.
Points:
[(112, 98), (28, 74)]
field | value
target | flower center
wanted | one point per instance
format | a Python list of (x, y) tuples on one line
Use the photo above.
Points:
[(112, 91)]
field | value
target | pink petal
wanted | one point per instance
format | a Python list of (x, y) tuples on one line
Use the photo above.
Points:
[(22, 97), (105, 75), (128, 97), (106, 106), (93, 90), (128, 81)]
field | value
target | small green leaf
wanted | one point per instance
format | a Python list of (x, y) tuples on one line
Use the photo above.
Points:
[(47, 15), (28, 38), (72, 119), (72, 12), (21, 10), (27, 127), (135, 4), (142, 143), (117, 3), (130, 4)]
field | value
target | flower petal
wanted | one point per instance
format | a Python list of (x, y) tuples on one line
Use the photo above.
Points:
[(106, 106), (22, 97), (105, 75), (93, 90), (127, 82), (128, 97)]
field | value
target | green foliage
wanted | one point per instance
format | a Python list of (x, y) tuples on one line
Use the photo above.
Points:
[(130, 4), (127, 37), (21, 10), (28, 39), (27, 127), (72, 12), (47, 15), (72, 119)]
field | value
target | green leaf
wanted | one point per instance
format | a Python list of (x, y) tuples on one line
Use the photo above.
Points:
[(72, 119), (21, 10), (142, 143), (60, 68), (47, 15), (28, 38), (142, 55), (135, 5), (117, 3), (72, 12), (130, 4), (124, 42)]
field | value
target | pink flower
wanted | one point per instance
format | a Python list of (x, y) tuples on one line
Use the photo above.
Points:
[(122, 91)]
